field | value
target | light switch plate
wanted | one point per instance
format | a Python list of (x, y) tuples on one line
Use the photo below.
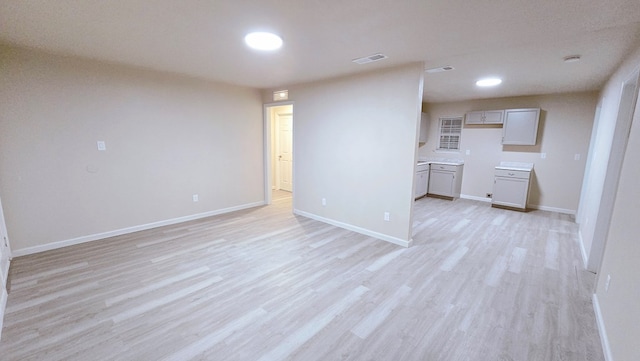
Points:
[(102, 145)]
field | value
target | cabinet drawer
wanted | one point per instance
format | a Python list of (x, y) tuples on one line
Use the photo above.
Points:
[(512, 173), (444, 167)]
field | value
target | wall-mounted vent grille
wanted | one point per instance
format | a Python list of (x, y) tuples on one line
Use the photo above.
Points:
[(369, 59), (440, 69)]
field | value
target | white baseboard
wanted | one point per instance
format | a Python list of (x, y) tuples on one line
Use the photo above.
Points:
[(529, 206), (474, 198), (571, 212), (357, 229), (118, 232), (604, 339)]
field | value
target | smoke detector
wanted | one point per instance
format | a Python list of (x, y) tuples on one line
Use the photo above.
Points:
[(370, 58)]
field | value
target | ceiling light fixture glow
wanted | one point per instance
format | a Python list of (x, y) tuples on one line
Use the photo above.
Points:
[(488, 82), (263, 41)]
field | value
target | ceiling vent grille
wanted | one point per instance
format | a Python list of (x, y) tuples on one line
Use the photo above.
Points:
[(370, 58), (440, 69)]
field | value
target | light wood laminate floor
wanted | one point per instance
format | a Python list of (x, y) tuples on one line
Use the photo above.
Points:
[(263, 284)]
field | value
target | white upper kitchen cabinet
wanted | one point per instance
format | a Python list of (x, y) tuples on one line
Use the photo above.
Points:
[(520, 126), (484, 117)]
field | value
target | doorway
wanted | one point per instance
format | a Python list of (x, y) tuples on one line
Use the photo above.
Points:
[(626, 110), (278, 152)]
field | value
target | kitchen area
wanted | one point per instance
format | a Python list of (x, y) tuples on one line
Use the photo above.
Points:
[(441, 173)]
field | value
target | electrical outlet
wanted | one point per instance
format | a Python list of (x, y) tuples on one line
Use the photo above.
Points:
[(102, 145), (606, 285), (324, 202), (468, 152), (195, 198), (387, 217), (489, 195), (577, 156), (543, 155)]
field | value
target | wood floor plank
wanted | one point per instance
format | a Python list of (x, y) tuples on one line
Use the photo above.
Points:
[(479, 283)]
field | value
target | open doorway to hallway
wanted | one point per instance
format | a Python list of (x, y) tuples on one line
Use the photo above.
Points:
[(278, 151)]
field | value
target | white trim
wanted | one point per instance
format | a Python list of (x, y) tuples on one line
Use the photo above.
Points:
[(604, 339), (350, 227), (529, 206), (571, 212), (3, 306), (474, 198), (119, 232), (266, 150), (583, 251)]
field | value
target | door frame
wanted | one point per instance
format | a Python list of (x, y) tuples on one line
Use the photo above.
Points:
[(4, 239), (268, 146), (624, 119)]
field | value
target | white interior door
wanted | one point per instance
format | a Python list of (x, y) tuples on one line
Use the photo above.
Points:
[(284, 151)]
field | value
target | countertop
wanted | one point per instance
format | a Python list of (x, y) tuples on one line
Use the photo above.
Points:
[(527, 167), (441, 161)]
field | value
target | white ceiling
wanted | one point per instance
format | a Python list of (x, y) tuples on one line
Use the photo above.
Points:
[(522, 41)]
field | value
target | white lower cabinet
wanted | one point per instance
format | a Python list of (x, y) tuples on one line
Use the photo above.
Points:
[(445, 180), (511, 188), (422, 178)]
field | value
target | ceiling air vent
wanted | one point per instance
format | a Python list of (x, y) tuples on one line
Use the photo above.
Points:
[(369, 59), (440, 69)]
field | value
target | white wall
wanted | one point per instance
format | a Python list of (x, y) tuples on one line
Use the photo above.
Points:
[(619, 306), (564, 131), (355, 141), (167, 137), (593, 215)]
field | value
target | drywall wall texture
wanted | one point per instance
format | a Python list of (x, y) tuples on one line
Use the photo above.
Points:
[(599, 183), (167, 138), (564, 132), (355, 146), (619, 305)]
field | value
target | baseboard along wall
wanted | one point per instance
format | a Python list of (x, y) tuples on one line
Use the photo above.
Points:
[(119, 232)]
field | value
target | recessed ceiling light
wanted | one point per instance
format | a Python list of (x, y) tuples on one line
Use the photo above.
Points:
[(489, 82), (263, 41), (571, 58)]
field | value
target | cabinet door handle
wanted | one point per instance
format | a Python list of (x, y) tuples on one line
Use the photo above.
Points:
[(512, 174)]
